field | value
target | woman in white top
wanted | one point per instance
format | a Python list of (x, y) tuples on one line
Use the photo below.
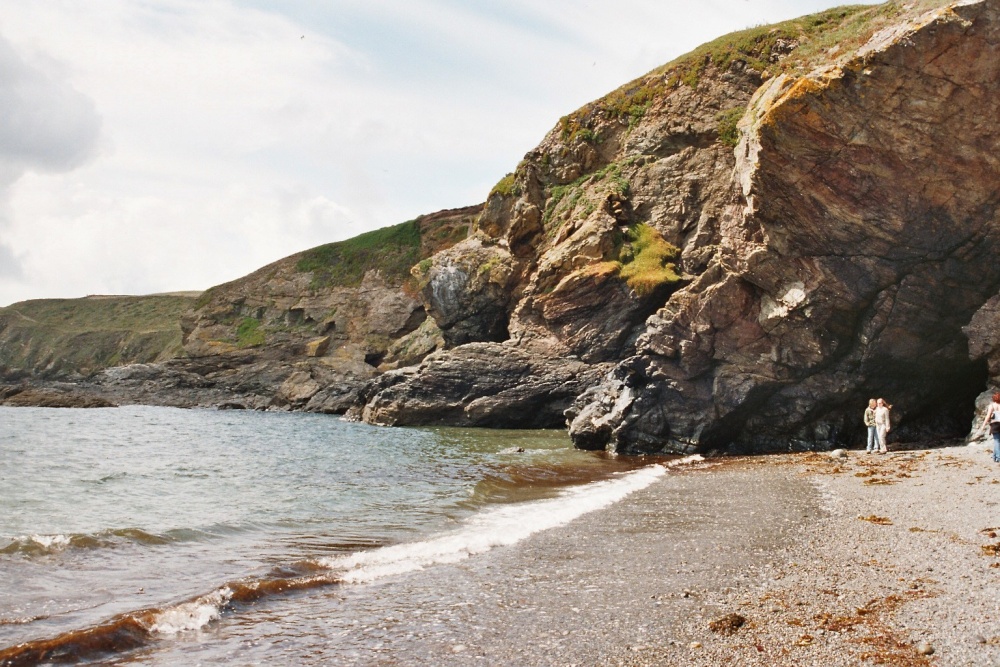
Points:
[(882, 422), (993, 419)]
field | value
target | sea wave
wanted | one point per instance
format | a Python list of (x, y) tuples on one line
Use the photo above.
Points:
[(138, 628), (45, 545), (500, 526)]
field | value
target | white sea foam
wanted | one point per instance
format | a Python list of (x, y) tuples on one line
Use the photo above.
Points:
[(500, 526), (52, 542), (686, 461), (192, 615)]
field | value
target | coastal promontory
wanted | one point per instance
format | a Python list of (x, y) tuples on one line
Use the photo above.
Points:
[(730, 254)]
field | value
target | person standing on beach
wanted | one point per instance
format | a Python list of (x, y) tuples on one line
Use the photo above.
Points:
[(882, 423), (993, 419), (870, 423)]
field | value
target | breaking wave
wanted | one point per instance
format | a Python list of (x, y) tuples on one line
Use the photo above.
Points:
[(498, 526), (44, 545)]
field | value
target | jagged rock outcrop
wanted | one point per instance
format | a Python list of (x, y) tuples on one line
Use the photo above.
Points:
[(466, 290), (861, 240), (765, 233), (251, 381), (511, 388)]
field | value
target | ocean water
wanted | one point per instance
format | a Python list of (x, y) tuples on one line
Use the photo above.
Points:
[(126, 531)]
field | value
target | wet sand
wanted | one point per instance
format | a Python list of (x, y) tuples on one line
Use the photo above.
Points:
[(827, 561)]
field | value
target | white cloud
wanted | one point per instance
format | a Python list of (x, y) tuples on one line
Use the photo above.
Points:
[(45, 124), (176, 144)]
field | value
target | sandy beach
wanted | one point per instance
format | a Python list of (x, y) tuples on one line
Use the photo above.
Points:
[(801, 559)]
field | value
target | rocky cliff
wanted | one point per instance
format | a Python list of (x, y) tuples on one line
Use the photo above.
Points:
[(754, 239), (306, 332)]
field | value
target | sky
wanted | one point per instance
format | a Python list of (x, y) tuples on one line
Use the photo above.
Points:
[(164, 145)]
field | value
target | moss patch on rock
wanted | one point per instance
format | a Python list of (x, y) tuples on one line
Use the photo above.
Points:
[(729, 135), (563, 199), (647, 260), (249, 333), (506, 187)]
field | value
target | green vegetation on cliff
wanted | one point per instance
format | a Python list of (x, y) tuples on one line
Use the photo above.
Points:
[(392, 250), (793, 46), (563, 199), (506, 187), (643, 259), (646, 260), (248, 333), (729, 135), (59, 337)]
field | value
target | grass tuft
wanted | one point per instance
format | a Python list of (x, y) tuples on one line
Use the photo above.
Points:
[(729, 134), (647, 260), (563, 199), (506, 187)]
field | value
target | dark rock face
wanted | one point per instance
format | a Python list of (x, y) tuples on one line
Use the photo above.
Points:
[(862, 239), (479, 384)]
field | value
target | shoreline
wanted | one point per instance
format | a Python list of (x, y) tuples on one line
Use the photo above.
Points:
[(777, 540), (793, 559)]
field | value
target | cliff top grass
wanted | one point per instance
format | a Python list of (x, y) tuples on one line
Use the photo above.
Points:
[(795, 46), (392, 250), (160, 312), (58, 336)]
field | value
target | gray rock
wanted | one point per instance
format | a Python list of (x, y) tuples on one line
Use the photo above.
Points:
[(479, 384)]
